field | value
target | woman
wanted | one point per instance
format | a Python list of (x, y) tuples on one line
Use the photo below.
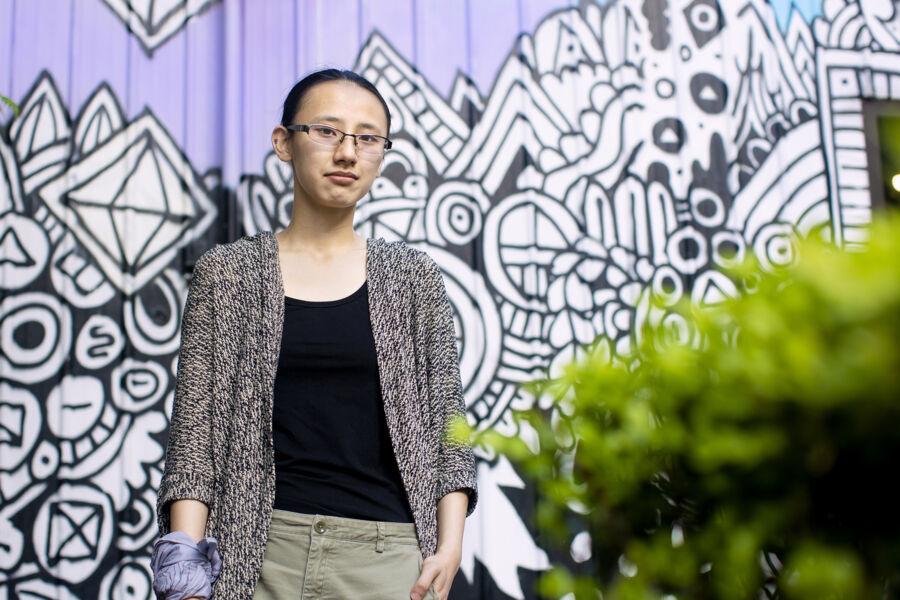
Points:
[(317, 374)]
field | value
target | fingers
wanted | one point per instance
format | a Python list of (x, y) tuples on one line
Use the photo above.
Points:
[(429, 578), (420, 588)]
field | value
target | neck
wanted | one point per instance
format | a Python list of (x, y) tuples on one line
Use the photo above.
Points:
[(322, 233)]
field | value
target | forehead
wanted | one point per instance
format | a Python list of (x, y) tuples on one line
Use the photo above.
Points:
[(345, 102)]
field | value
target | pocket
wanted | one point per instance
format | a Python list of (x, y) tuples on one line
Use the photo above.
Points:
[(356, 570)]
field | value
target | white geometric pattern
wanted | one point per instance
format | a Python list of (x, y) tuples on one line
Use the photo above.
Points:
[(133, 202), (155, 21), (621, 155)]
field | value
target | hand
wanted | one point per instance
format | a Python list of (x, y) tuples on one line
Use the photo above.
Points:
[(438, 572)]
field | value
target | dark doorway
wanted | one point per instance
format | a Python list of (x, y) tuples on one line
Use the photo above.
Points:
[(882, 123)]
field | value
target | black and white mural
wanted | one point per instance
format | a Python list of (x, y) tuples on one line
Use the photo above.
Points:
[(622, 149)]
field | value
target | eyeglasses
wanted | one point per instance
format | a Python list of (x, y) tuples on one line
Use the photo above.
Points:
[(367, 143)]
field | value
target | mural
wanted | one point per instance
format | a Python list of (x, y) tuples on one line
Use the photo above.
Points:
[(624, 151), (153, 22)]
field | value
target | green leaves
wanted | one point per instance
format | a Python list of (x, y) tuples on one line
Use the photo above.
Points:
[(769, 429), (12, 105)]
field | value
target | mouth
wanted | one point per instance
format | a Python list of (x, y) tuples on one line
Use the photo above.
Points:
[(341, 177)]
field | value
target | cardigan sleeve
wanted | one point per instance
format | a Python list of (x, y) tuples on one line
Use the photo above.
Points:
[(456, 461), (188, 471)]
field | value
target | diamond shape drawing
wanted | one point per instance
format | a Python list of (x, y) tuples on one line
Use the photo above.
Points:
[(133, 202), (153, 22)]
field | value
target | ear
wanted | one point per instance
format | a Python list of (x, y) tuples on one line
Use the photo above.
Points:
[(281, 143)]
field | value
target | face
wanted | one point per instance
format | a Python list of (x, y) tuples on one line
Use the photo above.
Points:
[(333, 176)]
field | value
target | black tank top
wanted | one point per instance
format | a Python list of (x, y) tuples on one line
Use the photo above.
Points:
[(333, 453)]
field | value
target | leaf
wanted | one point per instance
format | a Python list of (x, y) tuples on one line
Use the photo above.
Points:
[(10, 104)]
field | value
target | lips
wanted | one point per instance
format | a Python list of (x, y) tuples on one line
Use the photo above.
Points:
[(341, 177)]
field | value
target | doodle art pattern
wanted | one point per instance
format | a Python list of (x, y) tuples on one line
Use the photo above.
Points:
[(625, 150)]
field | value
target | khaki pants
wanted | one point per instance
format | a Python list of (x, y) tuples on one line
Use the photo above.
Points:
[(320, 557)]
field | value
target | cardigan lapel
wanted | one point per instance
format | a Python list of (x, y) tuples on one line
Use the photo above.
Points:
[(271, 317), (384, 312), (389, 312)]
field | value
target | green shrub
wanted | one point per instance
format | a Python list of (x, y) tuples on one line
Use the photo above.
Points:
[(758, 454)]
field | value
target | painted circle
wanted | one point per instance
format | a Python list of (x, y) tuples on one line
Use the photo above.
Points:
[(704, 17), (35, 336), (669, 135), (74, 405), (45, 461), (130, 580), (160, 332), (138, 385), (707, 207), (776, 246), (728, 248), (667, 285), (687, 250), (709, 93), (99, 342), (454, 212), (459, 219), (665, 88)]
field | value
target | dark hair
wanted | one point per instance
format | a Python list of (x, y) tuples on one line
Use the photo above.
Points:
[(302, 87)]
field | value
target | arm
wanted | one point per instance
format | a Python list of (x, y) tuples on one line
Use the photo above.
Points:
[(456, 462), (451, 517), (457, 490), (189, 516), (188, 473)]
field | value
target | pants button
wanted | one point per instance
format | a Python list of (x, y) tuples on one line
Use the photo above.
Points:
[(320, 527)]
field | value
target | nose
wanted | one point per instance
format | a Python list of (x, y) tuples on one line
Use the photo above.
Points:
[(346, 150)]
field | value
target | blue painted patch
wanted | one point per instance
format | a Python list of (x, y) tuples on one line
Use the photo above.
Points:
[(809, 9)]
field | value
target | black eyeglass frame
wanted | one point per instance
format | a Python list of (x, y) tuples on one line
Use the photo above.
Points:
[(305, 128)]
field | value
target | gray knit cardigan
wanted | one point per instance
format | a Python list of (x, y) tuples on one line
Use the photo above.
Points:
[(220, 439)]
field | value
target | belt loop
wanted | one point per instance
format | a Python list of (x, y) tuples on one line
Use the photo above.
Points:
[(379, 542)]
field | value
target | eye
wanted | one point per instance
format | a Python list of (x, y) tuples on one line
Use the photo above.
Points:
[(368, 139), (325, 131)]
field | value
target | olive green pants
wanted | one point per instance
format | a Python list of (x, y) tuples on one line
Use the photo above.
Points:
[(320, 557)]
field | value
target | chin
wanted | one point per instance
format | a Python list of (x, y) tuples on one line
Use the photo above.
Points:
[(342, 202)]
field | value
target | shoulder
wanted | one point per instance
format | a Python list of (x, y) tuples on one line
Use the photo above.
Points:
[(423, 276), (412, 255), (237, 254)]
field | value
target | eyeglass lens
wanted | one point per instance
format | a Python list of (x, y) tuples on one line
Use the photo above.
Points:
[(330, 136)]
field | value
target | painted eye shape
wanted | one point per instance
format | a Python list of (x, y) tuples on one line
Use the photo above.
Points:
[(705, 18)]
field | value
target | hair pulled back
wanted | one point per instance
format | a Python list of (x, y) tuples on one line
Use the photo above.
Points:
[(295, 97)]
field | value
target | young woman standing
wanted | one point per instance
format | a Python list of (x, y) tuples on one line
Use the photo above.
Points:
[(307, 455)]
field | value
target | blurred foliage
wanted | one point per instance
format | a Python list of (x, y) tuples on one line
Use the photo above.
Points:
[(888, 131), (12, 105), (756, 459)]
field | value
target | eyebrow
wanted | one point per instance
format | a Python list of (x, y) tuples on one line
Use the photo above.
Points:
[(331, 119)]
